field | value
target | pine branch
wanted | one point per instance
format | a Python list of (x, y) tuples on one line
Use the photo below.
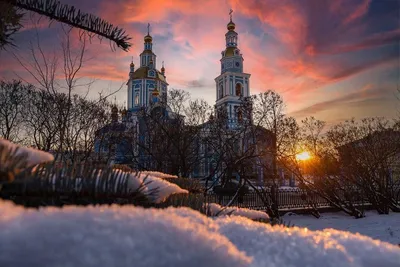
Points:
[(74, 17)]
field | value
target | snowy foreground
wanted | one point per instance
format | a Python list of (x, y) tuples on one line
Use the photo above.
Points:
[(382, 227), (132, 236)]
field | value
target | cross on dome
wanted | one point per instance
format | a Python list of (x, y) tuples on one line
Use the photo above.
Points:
[(231, 26)]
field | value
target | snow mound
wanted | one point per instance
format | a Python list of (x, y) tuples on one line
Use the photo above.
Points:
[(110, 236), (34, 156), (132, 236), (217, 210)]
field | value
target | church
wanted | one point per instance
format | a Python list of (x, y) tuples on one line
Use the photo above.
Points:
[(147, 90)]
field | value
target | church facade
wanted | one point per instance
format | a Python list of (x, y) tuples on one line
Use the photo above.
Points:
[(147, 90)]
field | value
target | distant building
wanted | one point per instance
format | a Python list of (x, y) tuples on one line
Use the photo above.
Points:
[(380, 149)]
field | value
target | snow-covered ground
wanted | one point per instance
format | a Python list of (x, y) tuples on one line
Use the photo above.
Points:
[(132, 236), (382, 227)]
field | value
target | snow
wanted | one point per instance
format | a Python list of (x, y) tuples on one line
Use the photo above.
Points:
[(159, 174), (34, 156), (217, 210), (163, 187), (382, 227), (133, 236)]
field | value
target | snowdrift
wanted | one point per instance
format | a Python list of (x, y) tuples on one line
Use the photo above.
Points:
[(132, 236)]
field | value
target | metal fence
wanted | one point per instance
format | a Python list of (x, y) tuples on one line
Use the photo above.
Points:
[(288, 199)]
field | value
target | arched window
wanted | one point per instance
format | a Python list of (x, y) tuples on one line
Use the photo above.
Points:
[(238, 89), (136, 99), (221, 92)]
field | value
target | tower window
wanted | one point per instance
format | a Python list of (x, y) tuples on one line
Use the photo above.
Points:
[(239, 115), (221, 92), (238, 89), (136, 99)]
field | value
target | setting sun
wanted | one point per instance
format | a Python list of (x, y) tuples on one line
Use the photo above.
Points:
[(305, 155)]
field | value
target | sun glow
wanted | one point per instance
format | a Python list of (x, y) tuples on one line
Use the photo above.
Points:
[(305, 155)]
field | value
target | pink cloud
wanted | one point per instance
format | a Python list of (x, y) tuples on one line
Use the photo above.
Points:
[(292, 46), (359, 12)]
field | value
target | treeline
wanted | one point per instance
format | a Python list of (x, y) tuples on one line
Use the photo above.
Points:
[(51, 121), (351, 164)]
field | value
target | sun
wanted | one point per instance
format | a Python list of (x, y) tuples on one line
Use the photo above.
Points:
[(305, 155)]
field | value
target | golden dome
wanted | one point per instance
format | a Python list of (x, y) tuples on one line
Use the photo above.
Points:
[(230, 51), (114, 109), (231, 26), (163, 69), (155, 91), (141, 73), (124, 111), (148, 39), (132, 65)]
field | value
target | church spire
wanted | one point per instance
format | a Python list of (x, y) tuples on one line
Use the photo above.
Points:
[(231, 36), (231, 26), (232, 59), (148, 40)]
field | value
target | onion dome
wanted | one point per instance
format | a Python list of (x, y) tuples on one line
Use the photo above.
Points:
[(231, 26), (124, 112), (132, 64), (114, 109), (162, 68), (148, 38)]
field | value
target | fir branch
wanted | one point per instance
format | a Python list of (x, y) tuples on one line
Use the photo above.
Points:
[(74, 17)]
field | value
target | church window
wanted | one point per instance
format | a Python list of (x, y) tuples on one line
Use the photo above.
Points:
[(239, 115), (137, 99), (238, 89), (221, 92)]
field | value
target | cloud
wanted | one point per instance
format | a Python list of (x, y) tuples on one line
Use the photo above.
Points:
[(296, 47), (367, 92)]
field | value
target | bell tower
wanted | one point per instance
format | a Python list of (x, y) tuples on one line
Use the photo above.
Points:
[(232, 85)]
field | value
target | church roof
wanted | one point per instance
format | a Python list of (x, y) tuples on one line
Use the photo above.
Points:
[(141, 73), (114, 127)]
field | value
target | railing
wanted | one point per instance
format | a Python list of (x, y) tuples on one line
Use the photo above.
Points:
[(288, 199)]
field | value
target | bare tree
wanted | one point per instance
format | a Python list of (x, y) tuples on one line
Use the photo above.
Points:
[(13, 103), (59, 119), (369, 151)]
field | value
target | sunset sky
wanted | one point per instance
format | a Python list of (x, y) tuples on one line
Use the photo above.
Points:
[(332, 59)]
